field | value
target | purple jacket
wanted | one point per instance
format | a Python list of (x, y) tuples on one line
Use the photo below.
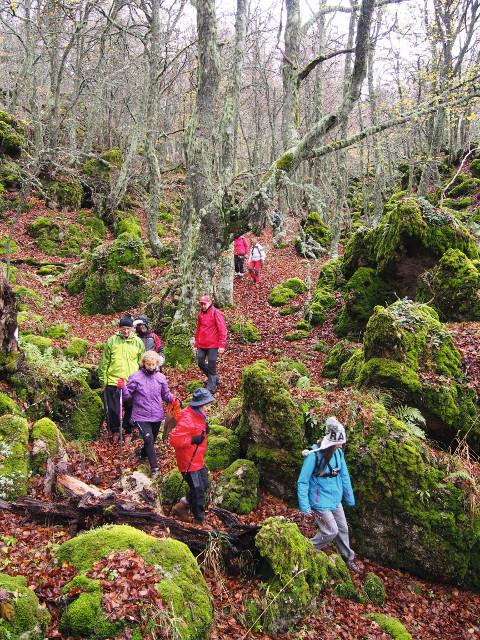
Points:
[(148, 392)]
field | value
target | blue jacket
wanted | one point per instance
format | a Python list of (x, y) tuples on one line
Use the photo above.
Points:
[(322, 493)]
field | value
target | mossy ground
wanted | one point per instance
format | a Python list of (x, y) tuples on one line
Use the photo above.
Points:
[(237, 487)]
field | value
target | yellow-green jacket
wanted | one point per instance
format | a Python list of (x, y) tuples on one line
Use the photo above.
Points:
[(121, 358)]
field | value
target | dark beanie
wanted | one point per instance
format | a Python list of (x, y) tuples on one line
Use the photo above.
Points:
[(126, 321)]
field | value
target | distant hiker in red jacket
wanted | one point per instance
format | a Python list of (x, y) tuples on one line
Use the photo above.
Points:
[(189, 439), (240, 250), (256, 260), (210, 340)]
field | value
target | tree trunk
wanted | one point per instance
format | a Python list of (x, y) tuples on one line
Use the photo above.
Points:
[(8, 319)]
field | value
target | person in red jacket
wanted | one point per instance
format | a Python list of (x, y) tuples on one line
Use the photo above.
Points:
[(210, 340), (240, 250), (189, 439)]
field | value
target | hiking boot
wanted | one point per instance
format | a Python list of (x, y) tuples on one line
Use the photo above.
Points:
[(354, 567), (155, 473), (140, 453), (181, 510)]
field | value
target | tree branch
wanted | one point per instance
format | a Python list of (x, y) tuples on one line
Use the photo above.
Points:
[(305, 72)]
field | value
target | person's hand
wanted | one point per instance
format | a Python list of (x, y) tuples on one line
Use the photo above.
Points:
[(198, 439), (221, 350), (121, 384)]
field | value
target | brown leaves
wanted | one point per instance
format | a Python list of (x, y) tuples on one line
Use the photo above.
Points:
[(7, 611)]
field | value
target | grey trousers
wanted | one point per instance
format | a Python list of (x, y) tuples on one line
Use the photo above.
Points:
[(333, 527)]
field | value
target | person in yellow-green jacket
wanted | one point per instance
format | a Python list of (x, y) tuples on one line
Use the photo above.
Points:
[(121, 357)]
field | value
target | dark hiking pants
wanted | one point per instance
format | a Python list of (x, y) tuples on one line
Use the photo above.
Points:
[(207, 361), (239, 264), (149, 432), (198, 483), (111, 401)]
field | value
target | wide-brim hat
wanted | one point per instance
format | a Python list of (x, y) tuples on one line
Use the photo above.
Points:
[(200, 397), (335, 433)]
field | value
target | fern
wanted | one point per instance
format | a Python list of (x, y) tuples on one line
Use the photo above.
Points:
[(412, 418)]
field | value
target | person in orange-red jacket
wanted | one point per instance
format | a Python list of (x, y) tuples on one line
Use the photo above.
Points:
[(210, 340), (189, 439)]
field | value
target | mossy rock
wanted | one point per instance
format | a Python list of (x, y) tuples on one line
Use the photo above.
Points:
[(475, 168), (44, 228), (84, 617), (364, 291), (373, 589), (58, 331), (178, 348), (110, 291), (330, 276), (13, 457), (26, 295), (129, 225), (338, 355), (292, 366), (180, 582), (27, 619), (452, 287), (47, 439), (12, 136), (94, 224), (50, 270), (77, 279), (41, 342), (409, 352), (299, 334), (458, 204), (87, 416), (313, 227), (11, 175), (303, 324), (8, 405), (173, 487), (296, 574), (288, 311), (246, 331), (350, 370), (67, 193), (391, 625), (125, 251), (267, 407), (280, 295), (103, 167), (77, 348), (237, 487), (323, 302), (222, 449)]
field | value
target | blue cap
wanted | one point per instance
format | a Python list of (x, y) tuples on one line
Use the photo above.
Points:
[(200, 397)]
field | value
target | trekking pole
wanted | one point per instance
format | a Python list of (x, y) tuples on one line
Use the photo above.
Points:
[(184, 473), (121, 432)]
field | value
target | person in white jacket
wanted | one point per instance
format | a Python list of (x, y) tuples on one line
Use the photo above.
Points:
[(256, 259)]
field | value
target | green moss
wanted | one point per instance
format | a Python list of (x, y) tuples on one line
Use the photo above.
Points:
[(58, 331), (109, 291), (348, 591), (280, 295), (350, 370), (10, 175), (103, 167), (50, 270), (7, 244), (458, 204), (222, 450), (46, 438), (358, 252), (330, 274), (12, 140), (181, 584), (300, 334), (84, 616), (68, 194), (13, 457), (25, 294), (337, 356), (178, 348), (288, 311), (173, 487), (94, 224), (129, 225), (374, 589), (30, 621), (8, 405), (323, 301), (391, 625), (246, 331), (313, 227), (284, 163), (475, 168), (303, 324), (295, 284), (87, 416), (77, 349), (193, 384), (466, 187), (41, 342), (453, 287), (363, 292), (44, 228), (77, 279), (237, 487)]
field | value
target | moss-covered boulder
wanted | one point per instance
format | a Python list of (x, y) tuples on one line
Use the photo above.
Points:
[(76, 349), (178, 346), (87, 416), (271, 428), (452, 287), (58, 331), (22, 616), (409, 352), (102, 167), (246, 331), (391, 625), (173, 487), (314, 236), (285, 291), (323, 299), (12, 136), (8, 405), (13, 456), (41, 342), (65, 194), (222, 449), (129, 225), (237, 487), (338, 355), (296, 576), (373, 589), (57, 236), (47, 440), (180, 582), (362, 293)]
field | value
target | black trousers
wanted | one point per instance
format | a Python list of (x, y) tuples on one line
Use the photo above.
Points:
[(198, 483), (111, 401), (239, 264), (207, 361), (149, 432)]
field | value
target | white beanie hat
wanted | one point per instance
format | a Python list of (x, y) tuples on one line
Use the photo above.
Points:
[(335, 433)]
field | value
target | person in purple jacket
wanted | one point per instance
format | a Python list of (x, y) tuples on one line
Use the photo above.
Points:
[(148, 390)]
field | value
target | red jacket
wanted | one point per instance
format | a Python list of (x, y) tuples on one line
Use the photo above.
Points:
[(191, 423), (211, 331), (241, 246)]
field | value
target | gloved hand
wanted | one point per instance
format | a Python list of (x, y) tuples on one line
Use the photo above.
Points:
[(198, 439), (121, 384)]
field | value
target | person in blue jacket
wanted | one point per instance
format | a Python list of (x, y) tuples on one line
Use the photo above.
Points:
[(322, 484)]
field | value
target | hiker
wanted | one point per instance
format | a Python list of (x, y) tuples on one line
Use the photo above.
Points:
[(276, 221), (121, 358), (240, 250), (210, 340), (256, 260), (150, 340), (147, 389), (189, 439), (323, 482)]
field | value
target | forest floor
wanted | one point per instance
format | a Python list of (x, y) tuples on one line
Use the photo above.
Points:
[(430, 611)]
